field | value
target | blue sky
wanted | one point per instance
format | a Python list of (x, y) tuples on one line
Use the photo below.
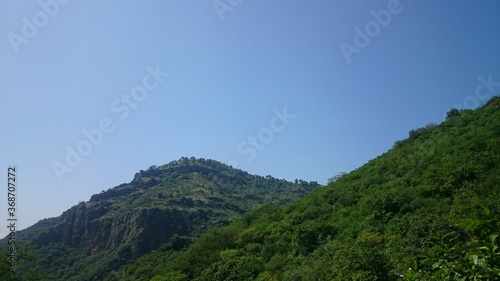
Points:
[(264, 85)]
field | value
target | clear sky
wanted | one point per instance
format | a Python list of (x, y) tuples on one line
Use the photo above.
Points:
[(292, 89)]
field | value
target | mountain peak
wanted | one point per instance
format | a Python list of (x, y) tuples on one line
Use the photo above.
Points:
[(183, 198)]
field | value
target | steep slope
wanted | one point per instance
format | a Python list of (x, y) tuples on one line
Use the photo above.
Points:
[(373, 223), (178, 201)]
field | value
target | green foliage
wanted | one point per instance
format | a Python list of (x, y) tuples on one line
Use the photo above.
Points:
[(336, 177), (27, 265), (233, 266), (452, 113), (374, 223), (160, 212), (429, 204), (171, 276), (475, 256)]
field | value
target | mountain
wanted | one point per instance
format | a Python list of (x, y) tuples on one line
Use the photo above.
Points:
[(425, 210), (174, 203)]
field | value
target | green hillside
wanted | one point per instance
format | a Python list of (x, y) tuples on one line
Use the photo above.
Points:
[(174, 203), (425, 210)]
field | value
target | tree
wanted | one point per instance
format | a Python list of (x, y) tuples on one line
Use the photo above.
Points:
[(452, 113), (172, 276), (453, 258)]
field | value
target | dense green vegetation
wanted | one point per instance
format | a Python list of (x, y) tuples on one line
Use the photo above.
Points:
[(425, 210), (170, 205), (27, 269)]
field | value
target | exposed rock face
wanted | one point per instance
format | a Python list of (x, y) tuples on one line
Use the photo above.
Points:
[(184, 198), (85, 228)]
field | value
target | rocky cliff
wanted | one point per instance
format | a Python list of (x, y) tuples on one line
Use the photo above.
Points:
[(184, 198)]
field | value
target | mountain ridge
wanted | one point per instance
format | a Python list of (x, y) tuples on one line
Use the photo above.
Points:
[(427, 209), (393, 218), (183, 198)]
